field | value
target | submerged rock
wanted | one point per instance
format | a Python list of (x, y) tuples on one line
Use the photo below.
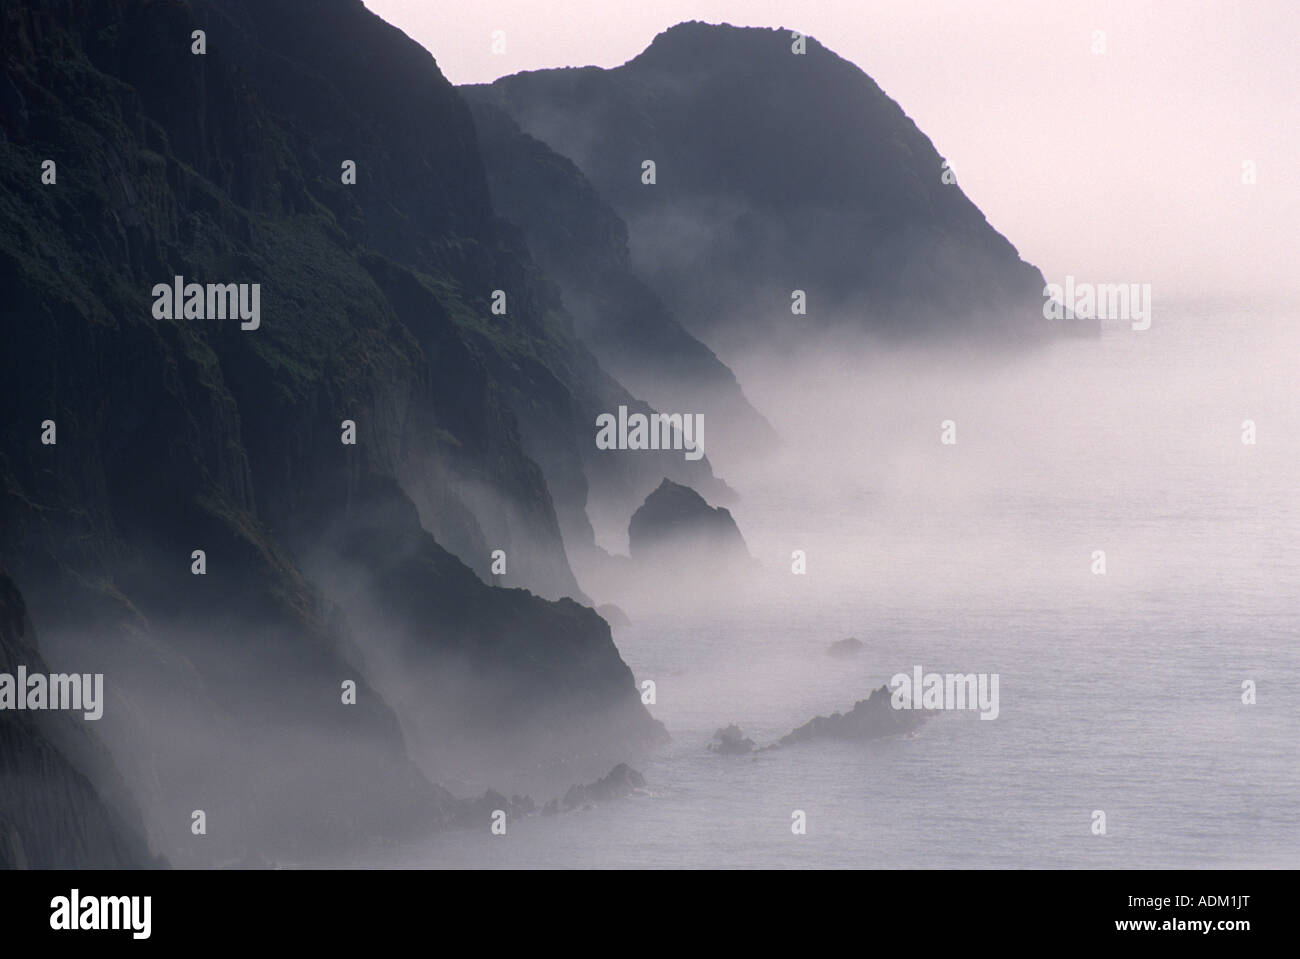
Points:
[(845, 647)]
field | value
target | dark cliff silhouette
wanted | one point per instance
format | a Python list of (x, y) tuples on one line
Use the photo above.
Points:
[(776, 172), (325, 562)]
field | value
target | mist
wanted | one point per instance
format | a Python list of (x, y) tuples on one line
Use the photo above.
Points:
[(980, 557), (363, 582), (1125, 165), (1059, 449)]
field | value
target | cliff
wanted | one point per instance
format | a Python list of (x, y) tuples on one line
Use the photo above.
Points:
[(51, 813), (184, 434), (775, 172)]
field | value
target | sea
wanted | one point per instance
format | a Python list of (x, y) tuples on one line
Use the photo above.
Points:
[(1115, 533)]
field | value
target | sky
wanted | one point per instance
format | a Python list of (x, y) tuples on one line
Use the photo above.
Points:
[(1127, 165)]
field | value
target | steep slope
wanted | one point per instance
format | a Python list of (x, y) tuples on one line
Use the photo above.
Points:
[(675, 522), (51, 814), (422, 202), (776, 172), (176, 435), (582, 244)]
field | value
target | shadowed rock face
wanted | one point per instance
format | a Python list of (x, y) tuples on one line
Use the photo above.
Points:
[(52, 815), (731, 741), (870, 718), (778, 172), (621, 781), (583, 245), (180, 434), (676, 521)]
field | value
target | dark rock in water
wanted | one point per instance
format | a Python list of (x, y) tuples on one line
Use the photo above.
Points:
[(622, 781), (870, 718), (677, 522), (845, 647), (613, 615), (731, 741)]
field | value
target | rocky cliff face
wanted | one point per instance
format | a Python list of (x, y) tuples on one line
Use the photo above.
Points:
[(676, 523), (52, 815), (582, 244), (776, 172), (184, 434)]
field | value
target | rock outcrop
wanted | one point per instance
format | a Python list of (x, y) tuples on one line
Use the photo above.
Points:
[(731, 741), (621, 781), (870, 718), (675, 522)]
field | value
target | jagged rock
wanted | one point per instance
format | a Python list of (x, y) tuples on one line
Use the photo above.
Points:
[(870, 718), (675, 522), (622, 781), (731, 741)]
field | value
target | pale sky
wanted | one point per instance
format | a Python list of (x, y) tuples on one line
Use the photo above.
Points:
[(1120, 167)]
